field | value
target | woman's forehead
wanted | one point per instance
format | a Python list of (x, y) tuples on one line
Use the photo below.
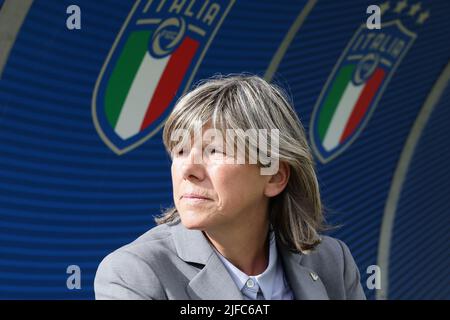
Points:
[(195, 125)]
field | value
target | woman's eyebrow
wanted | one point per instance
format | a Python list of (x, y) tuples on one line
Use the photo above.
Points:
[(214, 141)]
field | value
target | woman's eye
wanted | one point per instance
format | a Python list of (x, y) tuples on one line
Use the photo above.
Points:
[(178, 152), (216, 151)]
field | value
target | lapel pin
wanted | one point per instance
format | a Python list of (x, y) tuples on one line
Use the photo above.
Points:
[(314, 276)]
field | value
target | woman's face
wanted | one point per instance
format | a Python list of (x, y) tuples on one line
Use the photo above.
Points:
[(210, 192)]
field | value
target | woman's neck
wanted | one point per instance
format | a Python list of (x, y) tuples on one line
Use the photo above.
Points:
[(245, 246)]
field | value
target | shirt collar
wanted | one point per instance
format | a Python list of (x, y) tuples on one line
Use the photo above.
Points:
[(266, 279)]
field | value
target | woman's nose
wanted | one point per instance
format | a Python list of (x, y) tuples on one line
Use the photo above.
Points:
[(193, 166)]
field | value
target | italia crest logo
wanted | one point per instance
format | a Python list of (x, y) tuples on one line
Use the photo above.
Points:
[(358, 80), (152, 62)]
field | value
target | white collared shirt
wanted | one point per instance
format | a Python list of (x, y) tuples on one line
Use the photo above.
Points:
[(272, 282)]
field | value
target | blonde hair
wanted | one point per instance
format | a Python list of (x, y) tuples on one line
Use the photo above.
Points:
[(249, 102)]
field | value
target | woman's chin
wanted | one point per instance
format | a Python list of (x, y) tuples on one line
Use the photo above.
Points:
[(193, 221)]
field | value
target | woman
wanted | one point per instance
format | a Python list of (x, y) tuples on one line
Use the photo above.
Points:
[(236, 232)]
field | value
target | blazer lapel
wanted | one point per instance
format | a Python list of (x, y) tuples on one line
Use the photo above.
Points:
[(213, 282), (303, 281)]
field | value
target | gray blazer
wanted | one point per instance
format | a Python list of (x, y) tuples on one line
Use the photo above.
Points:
[(172, 262)]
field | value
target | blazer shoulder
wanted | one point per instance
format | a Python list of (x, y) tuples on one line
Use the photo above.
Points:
[(330, 245), (129, 273), (334, 248), (327, 256), (158, 232), (153, 245), (334, 263)]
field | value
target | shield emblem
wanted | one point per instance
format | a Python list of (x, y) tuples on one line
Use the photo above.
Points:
[(152, 62), (355, 86)]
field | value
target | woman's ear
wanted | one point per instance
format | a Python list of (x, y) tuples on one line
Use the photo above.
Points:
[(277, 182)]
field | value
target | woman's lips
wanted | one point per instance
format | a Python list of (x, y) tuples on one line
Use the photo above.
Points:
[(194, 199), (195, 196)]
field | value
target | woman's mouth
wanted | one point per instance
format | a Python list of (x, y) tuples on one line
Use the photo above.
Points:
[(194, 196)]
